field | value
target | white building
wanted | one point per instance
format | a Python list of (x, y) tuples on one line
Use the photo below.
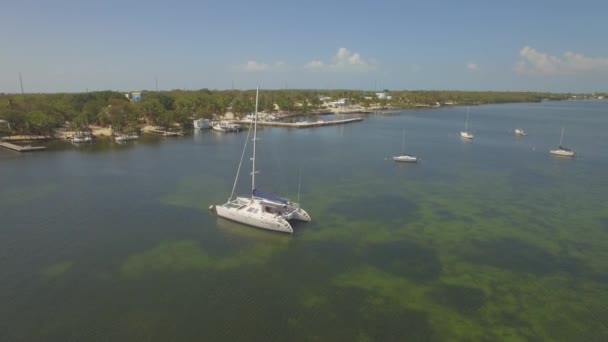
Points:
[(383, 96), (340, 103)]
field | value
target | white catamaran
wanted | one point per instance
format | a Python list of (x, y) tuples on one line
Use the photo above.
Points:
[(405, 157), (561, 150), (466, 134), (259, 209)]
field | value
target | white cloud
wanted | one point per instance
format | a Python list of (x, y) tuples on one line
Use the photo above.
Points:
[(344, 60), (472, 66), (254, 66), (314, 64), (534, 62)]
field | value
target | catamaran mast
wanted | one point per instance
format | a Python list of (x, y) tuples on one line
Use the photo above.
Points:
[(255, 132)]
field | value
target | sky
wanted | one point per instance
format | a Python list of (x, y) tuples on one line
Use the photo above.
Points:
[(75, 46)]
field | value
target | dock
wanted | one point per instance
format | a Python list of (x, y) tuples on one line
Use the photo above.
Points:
[(28, 148), (164, 133), (303, 124)]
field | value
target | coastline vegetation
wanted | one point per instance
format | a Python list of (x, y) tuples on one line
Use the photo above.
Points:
[(40, 114)]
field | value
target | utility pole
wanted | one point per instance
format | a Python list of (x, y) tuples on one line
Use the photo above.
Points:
[(21, 82)]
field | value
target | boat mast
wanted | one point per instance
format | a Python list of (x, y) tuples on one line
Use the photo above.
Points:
[(255, 132), (562, 137), (403, 144), (466, 122), (299, 182)]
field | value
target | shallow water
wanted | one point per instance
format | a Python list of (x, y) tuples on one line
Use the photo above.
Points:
[(492, 239)]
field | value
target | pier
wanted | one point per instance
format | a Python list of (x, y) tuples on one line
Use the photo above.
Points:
[(163, 132), (28, 148), (303, 124)]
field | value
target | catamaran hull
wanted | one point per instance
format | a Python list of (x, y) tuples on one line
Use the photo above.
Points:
[(270, 222), (301, 215)]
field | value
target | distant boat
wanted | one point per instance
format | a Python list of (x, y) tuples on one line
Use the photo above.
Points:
[(405, 157), (201, 123), (81, 138), (126, 137), (466, 134), (258, 209), (225, 126), (562, 150), (520, 132)]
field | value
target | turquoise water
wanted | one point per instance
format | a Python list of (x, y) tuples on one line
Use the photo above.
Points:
[(488, 240)]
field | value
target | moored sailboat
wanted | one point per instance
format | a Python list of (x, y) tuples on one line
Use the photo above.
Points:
[(466, 134), (562, 150), (405, 157), (260, 209)]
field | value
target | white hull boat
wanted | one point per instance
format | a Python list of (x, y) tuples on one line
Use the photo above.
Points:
[(561, 150), (81, 139), (126, 137), (405, 158), (260, 210), (466, 134), (224, 126), (520, 132), (562, 153)]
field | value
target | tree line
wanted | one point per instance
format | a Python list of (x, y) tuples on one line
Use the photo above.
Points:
[(40, 114)]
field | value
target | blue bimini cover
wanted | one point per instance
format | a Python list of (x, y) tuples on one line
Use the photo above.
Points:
[(270, 197)]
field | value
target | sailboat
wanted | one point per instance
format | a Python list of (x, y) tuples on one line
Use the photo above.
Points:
[(260, 209), (466, 134), (404, 157), (561, 150), (520, 132)]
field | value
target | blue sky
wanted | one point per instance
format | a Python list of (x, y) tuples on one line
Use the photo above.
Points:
[(66, 45)]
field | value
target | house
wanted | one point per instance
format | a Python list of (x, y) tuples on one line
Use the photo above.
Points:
[(134, 96), (340, 103), (383, 95)]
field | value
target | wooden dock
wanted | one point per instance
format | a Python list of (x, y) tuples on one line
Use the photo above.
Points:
[(28, 148), (164, 133), (303, 124)]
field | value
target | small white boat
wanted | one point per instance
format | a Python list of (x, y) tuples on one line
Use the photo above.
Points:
[(466, 134), (79, 139), (405, 158), (225, 126), (520, 132), (561, 150), (126, 137)]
